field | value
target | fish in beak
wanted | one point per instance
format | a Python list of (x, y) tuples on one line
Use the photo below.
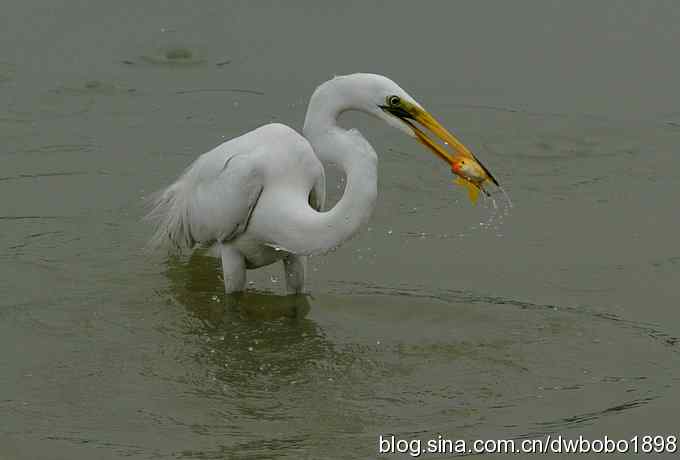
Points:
[(472, 174)]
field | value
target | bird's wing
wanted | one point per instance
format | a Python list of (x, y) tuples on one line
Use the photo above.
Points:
[(219, 209), (212, 200)]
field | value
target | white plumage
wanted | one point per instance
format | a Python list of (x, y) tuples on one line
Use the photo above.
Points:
[(214, 198), (259, 197)]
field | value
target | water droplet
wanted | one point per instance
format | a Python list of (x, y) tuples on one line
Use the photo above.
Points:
[(250, 348), (507, 198), (274, 279), (389, 232)]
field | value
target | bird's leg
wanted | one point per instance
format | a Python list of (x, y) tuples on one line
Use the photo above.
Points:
[(295, 268), (233, 269)]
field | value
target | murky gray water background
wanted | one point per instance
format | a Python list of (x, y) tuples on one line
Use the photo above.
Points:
[(561, 319)]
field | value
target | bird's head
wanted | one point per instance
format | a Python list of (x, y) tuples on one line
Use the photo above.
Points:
[(396, 107)]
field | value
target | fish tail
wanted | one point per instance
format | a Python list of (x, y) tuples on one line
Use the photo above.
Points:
[(472, 189)]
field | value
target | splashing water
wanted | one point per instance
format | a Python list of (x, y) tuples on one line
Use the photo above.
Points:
[(497, 213), (507, 198)]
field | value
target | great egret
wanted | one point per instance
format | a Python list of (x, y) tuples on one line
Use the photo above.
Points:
[(259, 198)]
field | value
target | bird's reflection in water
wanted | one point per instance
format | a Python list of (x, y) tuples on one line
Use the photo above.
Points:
[(252, 343), (197, 285)]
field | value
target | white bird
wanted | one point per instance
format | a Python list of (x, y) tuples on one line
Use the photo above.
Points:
[(259, 198)]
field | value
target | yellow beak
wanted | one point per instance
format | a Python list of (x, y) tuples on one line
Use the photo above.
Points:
[(461, 151), (429, 122)]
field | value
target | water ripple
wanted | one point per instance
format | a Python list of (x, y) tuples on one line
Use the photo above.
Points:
[(654, 331)]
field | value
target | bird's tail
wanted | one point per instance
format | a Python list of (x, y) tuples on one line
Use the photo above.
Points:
[(169, 215)]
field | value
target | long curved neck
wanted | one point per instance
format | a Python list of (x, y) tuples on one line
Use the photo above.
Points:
[(352, 153)]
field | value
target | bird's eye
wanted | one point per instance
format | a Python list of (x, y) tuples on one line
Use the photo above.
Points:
[(393, 100)]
